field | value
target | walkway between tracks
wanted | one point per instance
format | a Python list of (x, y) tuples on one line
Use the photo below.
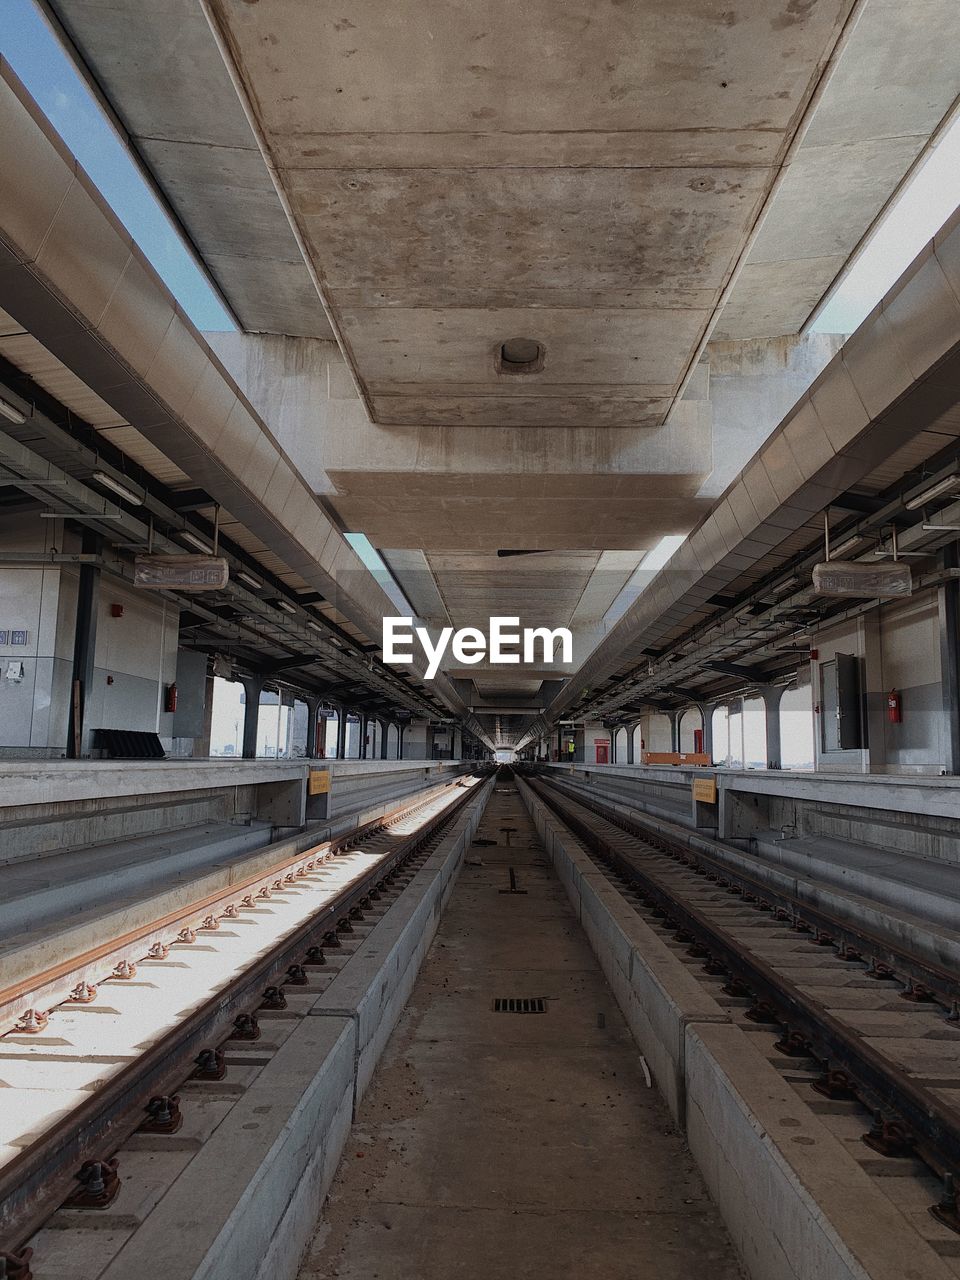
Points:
[(495, 1145)]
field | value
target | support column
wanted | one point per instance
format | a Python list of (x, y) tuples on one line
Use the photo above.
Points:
[(201, 745), (252, 688), (384, 733), (313, 706), (771, 695), (674, 718), (948, 604), (706, 715), (341, 732), (631, 750), (84, 642)]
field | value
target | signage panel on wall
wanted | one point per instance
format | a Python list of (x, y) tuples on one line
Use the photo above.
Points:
[(318, 782), (705, 790)]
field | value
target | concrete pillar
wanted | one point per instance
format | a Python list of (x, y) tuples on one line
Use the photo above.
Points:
[(874, 748), (84, 642), (313, 706), (706, 714), (252, 688), (631, 744), (948, 606), (401, 727), (384, 734), (674, 718), (771, 695), (201, 744)]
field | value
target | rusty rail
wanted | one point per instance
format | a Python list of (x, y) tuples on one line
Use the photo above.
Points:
[(40, 1177)]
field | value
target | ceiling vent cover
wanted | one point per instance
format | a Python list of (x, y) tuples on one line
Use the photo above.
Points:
[(520, 355)]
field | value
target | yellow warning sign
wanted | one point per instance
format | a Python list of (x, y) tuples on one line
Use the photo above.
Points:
[(318, 782), (705, 790)]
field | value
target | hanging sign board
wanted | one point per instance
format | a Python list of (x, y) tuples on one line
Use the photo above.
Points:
[(180, 573), (890, 581)]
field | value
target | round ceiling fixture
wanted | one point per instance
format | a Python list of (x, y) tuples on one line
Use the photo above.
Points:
[(520, 355)]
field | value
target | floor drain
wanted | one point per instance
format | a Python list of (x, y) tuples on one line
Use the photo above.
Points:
[(519, 1004)]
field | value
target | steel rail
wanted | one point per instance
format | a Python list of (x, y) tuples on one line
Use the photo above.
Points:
[(41, 1176), (52, 986), (941, 983), (931, 1127)]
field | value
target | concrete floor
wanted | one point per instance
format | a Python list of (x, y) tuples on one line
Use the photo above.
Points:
[(502, 1145)]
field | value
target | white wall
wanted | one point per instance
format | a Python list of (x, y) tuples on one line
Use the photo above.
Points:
[(899, 647), (592, 734), (135, 660), (34, 709)]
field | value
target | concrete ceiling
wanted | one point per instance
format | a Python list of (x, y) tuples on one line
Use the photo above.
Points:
[(886, 402), (461, 175), (157, 65), (572, 589), (899, 77), (612, 182)]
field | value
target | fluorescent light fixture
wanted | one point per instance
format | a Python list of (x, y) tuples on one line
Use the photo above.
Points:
[(315, 626), (940, 528), (9, 411), (285, 605), (81, 518), (249, 579), (844, 547), (128, 495), (194, 541), (947, 485)]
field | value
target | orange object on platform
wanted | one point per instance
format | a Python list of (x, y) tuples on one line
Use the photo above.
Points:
[(676, 757)]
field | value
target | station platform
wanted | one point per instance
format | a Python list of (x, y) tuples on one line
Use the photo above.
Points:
[(492, 1145)]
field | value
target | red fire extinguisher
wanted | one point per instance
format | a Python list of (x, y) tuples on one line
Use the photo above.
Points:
[(170, 701), (894, 707)]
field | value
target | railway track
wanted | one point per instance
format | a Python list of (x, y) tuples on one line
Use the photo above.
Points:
[(866, 1033), (181, 1007)]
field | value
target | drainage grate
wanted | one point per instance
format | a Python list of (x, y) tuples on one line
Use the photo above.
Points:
[(519, 1004)]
